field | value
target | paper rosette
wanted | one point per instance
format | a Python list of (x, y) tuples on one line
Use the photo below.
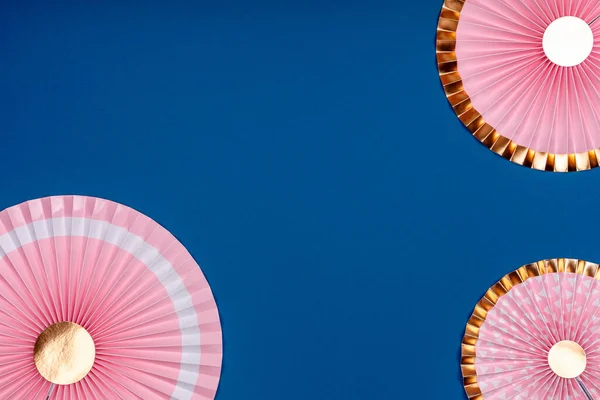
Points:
[(506, 350), (121, 279), (524, 77)]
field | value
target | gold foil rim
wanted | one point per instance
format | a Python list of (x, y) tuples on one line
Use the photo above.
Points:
[(473, 120), (491, 297)]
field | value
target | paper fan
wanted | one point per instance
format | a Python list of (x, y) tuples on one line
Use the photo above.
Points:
[(535, 335), (524, 77), (97, 301)]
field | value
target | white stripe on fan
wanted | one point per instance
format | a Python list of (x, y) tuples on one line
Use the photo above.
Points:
[(148, 255)]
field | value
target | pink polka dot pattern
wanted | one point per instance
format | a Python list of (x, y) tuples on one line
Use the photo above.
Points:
[(514, 341)]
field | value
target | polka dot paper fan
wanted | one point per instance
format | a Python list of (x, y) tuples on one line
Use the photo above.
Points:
[(535, 335), (98, 301), (524, 77)]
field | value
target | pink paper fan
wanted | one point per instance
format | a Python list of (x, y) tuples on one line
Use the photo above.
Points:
[(528, 326), (121, 277), (524, 76)]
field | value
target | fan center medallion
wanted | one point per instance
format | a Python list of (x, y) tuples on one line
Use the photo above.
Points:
[(64, 353), (567, 359), (568, 41)]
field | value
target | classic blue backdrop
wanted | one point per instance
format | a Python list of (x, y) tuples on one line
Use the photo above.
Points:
[(306, 155)]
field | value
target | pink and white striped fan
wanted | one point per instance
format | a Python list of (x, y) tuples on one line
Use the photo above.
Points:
[(541, 340), (524, 76), (121, 279)]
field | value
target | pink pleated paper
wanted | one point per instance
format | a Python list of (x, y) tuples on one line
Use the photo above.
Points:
[(514, 341), (516, 88), (124, 278)]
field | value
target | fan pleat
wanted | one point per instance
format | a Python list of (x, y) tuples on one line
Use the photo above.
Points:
[(106, 384), (514, 86), (129, 304), (498, 15), (157, 308), (22, 280), (510, 115), (532, 313), (145, 384), (514, 341), (591, 384), (21, 385), (527, 17), (128, 273), (122, 277), (591, 96), (107, 284), (32, 258), (101, 212)]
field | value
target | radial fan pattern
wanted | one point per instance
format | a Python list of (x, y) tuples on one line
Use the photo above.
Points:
[(122, 277), (508, 92), (513, 346)]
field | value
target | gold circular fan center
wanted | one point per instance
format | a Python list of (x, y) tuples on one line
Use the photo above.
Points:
[(567, 359), (64, 353)]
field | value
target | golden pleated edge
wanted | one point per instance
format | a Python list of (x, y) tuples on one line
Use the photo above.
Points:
[(472, 119), (503, 286)]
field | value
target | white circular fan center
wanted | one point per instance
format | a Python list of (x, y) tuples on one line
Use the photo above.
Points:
[(567, 359), (568, 41)]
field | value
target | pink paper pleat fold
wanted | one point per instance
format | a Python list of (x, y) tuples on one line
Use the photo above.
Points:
[(513, 345), (513, 84), (126, 280)]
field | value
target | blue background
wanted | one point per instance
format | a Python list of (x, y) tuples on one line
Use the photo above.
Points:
[(306, 155)]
